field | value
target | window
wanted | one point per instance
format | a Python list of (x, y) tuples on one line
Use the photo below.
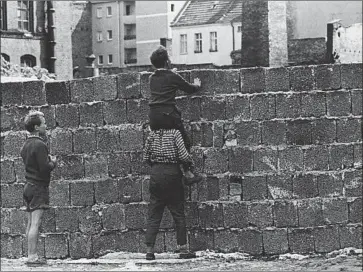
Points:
[(99, 36), (110, 59), (128, 9), (100, 60), (239, 28), (213, 42), (130, 55), (183, 44), (130, 31), (198, 43), (109, 11), (99, 12), (6, 57), (28, 61), (109, 35), (3, 16), (25, 15), (172, 7)]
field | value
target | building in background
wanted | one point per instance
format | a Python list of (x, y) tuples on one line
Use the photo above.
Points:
[(124, 33), (207, 32)]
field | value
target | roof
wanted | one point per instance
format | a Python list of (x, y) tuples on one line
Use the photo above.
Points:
[(200, 12)]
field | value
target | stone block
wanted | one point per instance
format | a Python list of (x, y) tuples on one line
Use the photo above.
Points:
[(49, 115), (210, 215), (335, 210), (56, 246), (82, 193), (291, 159), (80, 246), (48, 221), (305, 186), (250, 241), (326, 239), (285, 214), (240, 160), (137, 164), (13, 142), (316, 158), (91, 114), (302, 78), (95, 166), (235, 214), (59, 193), (113, 217), (85, 141), (263, 107), (207, 78), (58, 92), (108, 139), (313, 104), (114, 112), (355, 210), (19, 170), (356, 96), (327, 77), (67, 116), (105, 88), (34, 93), (248, 133), (226, 81), (128, 85), (265, 159), (215, 160), (12, 195), (352, 183), (338, 103), (277, 79), (81, 90), (7, 171), (260, 215), (131, 138), (254, 188), (119, 164), (11, 246), (358, 155), (190, 108), (11, 93), (130, 189), (69, 167), (213, 108), (351, 75), (301, 241), (66, 219), (61, 142), (201, 240), (273, 132), (129, 241), (275, 241), (349, 130), (280, 186), (145, 85), (218, 134), (137, 111), (90, 220), (310, 212), (106, 191), (341, 157), (237, 108), (253, 80), (288, 105), (136, 216), (226, 241), (350, 236), (191, 214), (330, 185), (324, 131)]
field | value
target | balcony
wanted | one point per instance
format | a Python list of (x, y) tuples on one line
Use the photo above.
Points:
[(129, 37)]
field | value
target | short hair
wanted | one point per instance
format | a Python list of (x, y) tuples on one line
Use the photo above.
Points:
[(32, 119), (159, 57)]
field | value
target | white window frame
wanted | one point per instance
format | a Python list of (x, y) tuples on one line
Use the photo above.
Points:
[(99, 36), (100, 60), (213, 41), (109, 35), (23, 15), (183, 44), (109, 14), (99, 12), (198, 44), (108, 59)]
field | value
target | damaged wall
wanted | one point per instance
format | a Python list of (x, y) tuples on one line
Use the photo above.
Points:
[(280, 150)]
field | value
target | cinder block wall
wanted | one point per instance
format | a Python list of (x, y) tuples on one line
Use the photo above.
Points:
[(280, 149)]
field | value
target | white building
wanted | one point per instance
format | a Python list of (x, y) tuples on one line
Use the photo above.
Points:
[(207, 32)]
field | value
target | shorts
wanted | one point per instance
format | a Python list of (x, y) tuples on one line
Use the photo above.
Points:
[(36, 197)]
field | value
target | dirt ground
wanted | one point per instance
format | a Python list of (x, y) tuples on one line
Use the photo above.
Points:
[(348, 259)]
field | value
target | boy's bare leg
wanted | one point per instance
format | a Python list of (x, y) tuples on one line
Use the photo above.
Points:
[(33, 233), (28, 226)]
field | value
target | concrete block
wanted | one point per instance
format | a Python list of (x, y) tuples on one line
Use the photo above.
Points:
[(356, 96), (91, 114), (301, 241), (13, 142), (131, 138), (263, 107), (96, 166), (253, 80), (215, 160), (105, 88), (66, 219), (275, 241), (61, 142), (80, 246), (338, 103), (310, 212), (82, 193), (201, 240), (248, 133), (355, 210), (240, 160), (136, 215), (138, 166), (137, 111), (19, 170), (58, 92), (324, 131), (128, 85), (191, 214), (11, 93), (84, 141), (59, 193), (119, 164), (67, 116), (265, 159), (341, 157), (145, 85), (305, 186), (213, 108), (302, 78), (115, 112), (277, 79), (260, 215), (285, 213), (335, 210), (69, 167), (350, 236), (130, 189), (316, 158), (90, 220), (351, 75), (56, 246), (349, 130), (34, 93), (226, 241), (218, 134), (113, 217), (291, 159), (7, 171), (227, 81), (254, 188), (330, 185), (288, 105), (106, 191), (273, 132), (352, 183), (12, 195), (357, 155), (49, 115), (235, 214), (210, 215), (108, 139), (11, 246), (190, 108), (129, 241), (81, 90), (237, 108), (250, 241), (207, 78), (326, 239), (327, 77), (313, 104), (48, 221)]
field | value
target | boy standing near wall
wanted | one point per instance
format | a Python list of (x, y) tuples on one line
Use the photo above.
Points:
[(38, 166), (163, 113)]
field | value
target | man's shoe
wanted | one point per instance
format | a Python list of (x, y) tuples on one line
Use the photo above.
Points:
[(187, 255), (150, 256)]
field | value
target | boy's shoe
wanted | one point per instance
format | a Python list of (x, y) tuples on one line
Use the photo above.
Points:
[(193, 180), (150, 256), (187, 255)]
